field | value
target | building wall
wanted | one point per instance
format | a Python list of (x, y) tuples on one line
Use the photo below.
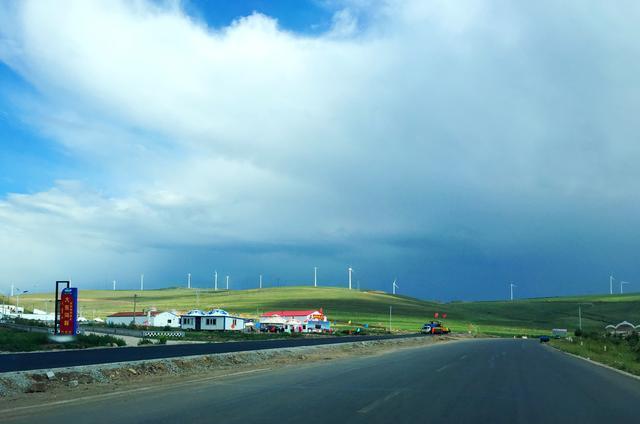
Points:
[(233, 324), (188, 323), (126, 320), (163, 318), (213, 323)]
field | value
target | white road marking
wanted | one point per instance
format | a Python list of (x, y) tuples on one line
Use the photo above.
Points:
[(378, 402), (125, 392)]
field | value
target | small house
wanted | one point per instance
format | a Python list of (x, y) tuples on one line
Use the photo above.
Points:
[(623, 328), (214, 320)]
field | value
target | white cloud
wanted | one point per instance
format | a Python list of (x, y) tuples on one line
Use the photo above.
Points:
[(410, 118)]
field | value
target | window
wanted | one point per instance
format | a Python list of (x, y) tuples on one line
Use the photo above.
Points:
[(168, 321)]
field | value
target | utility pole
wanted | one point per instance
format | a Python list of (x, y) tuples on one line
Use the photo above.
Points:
[(135, 297), (215, 280), (580, 313), (141, 282), (315, 276), (390, 308)]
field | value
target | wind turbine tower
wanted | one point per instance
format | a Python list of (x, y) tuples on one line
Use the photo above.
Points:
[(215, 280), (350, 271), (260, 280), (227, 282), (114, 285), (610, 284), (12, 287), (189, 280), (511, 285), (621, 284), (395, 286), (315, 276), (141, 282)]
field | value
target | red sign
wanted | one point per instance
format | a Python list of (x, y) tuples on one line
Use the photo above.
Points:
[(444, 316), (68, 311), (435, 315)]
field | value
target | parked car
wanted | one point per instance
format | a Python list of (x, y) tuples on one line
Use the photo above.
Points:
[(544, 339)]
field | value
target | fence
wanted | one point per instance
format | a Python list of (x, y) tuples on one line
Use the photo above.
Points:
[(134, 333)]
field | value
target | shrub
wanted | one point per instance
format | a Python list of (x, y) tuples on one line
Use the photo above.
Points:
[(144, 342), (162, 340), (578, 332)]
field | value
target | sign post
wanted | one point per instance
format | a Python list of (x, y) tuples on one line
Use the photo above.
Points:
[(69, 311), (66, 309)]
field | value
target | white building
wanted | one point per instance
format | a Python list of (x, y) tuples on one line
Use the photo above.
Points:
[(147, 319), (310, 320), (216, 319), (11, 309)]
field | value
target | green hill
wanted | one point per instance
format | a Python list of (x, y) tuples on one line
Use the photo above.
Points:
[(530, 316)]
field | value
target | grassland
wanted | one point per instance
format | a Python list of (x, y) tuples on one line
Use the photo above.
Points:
[(620, 353), (530, 316), (19, 341)]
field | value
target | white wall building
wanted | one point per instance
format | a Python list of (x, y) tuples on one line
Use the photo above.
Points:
[(214, 320), (148, 319), (11, 309)]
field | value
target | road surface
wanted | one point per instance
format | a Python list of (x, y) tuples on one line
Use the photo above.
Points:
[(475, 381), (69, 358)]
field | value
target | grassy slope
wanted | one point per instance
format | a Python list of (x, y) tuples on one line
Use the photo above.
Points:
[(532, 316)]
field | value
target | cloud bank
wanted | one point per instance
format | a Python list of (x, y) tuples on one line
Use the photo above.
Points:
[(454, 145)]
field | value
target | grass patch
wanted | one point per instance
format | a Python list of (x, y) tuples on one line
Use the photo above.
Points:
[(19, 341), (617, 352)]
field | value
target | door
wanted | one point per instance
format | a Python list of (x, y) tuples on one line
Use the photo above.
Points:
[(198, 323)]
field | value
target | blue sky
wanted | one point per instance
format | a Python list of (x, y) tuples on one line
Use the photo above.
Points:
[(454, 146)]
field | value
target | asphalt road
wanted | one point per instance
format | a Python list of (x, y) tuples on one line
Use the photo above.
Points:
[(56, 359), (477, 381)]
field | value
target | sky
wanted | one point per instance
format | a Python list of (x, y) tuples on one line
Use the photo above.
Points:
[(457, 147)]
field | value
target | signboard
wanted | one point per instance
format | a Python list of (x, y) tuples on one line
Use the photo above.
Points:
[(69, 311)]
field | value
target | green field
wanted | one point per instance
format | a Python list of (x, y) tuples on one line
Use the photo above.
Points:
[(530, 316)]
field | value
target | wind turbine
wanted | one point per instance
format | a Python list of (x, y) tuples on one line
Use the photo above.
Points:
[(227, 282), (315, 276), (395, 286), (350, 271), (215, 280), (114, 285), (511, 285), (611, 284), (260, 280), (621, 284), (189, 280), (141, 282)]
